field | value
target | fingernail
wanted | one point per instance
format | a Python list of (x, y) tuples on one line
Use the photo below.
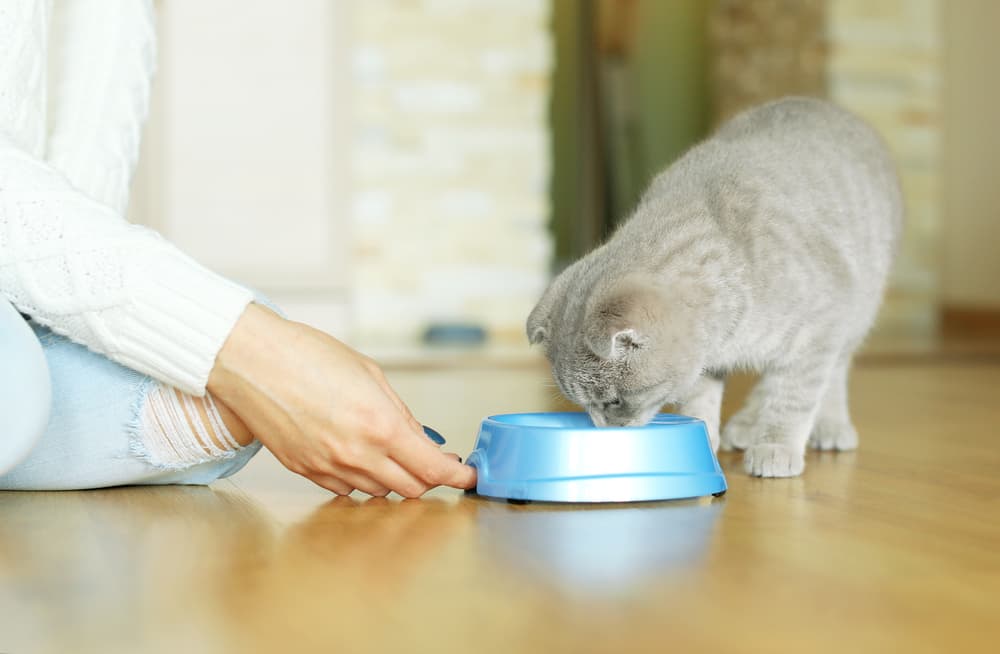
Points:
[(433, 435)]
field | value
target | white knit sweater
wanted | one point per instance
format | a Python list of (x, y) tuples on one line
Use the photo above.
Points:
[(74, 90)]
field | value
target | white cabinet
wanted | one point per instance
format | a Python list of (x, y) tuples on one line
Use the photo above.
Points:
[(245, 160)]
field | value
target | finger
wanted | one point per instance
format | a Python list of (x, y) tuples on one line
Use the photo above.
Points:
[(361, 481), (426, 462), (394, 476), (434, 435), (331, 484)]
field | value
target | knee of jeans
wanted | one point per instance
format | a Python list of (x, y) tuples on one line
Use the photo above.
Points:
[(174, 431), (25, 388), (205, 473)]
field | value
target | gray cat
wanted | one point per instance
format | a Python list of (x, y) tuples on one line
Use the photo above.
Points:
[(764, 248)]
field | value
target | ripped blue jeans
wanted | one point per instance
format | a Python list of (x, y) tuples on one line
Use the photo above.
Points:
[(87, 422)]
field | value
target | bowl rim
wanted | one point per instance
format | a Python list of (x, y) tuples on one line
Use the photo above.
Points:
[(659, 421)]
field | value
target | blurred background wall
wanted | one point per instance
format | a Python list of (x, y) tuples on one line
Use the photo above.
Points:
[(374, 167), (450, 164), (970, 265), (381, 166)]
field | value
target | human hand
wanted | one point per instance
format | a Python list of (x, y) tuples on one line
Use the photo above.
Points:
[(326, 411)]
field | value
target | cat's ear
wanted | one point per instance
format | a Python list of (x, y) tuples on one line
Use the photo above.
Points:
[(622, 344), (537, 325), (537, 335), (620, 323), (539, 322), (611, 338)]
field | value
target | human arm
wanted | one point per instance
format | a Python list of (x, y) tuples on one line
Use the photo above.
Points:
[(326, 411)]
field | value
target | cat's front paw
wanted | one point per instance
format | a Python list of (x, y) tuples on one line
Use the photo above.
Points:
[(774, 460), (833, 436)]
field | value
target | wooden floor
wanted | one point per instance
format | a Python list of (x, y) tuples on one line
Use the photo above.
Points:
[(893, 548)]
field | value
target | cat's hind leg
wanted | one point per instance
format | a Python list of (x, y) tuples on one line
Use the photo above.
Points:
[(791, 396), (833, 429), (705, 402)]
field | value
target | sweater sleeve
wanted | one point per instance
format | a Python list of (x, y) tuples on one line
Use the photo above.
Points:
[(74, 265), (71, 261)]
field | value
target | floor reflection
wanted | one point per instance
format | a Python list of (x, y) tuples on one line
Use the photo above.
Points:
[(92, 570), (207, 562), (604, 548)]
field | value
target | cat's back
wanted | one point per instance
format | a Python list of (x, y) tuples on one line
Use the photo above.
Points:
[(803, 138), (799, 194), (792, 118), (795, 160), (793, 134)]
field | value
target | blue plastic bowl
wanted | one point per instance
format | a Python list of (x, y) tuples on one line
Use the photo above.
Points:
[(563, 457)]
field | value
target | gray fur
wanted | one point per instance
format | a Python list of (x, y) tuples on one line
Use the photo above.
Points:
[(764, 248)]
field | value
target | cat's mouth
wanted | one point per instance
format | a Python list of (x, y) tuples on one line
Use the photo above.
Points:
[(598, 419), (638, 420)]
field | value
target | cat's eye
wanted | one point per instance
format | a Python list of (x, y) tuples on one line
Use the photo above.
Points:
[(613, 403)]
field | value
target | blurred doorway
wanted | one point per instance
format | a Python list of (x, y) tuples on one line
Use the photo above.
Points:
[(630, 94)]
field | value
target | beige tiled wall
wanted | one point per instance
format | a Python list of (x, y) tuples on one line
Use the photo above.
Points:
[(450, 164), (765, 49), (970, 272)]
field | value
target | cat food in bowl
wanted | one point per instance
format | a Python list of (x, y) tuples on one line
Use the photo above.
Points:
[(563, 457)]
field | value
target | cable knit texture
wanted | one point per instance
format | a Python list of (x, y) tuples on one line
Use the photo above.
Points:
[(74, 92)]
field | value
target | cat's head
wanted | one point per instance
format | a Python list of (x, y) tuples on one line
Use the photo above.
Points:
[(624, 351)]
